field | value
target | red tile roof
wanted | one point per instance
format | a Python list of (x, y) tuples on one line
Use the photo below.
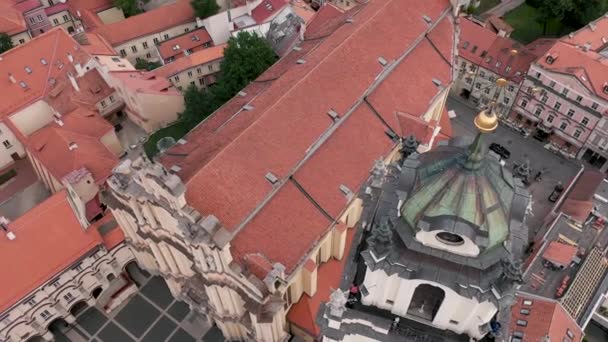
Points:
[(304, 313), (51, 47), (546, 318), (288, 132), (27, 5), (94, 44), (200, 57), (589, 67), (560, 253), (40, 251), (266, 9), (187, 41), (150, 22), (51, 145), (578, 203), (593, 35), (146, 82), (285, 240), (56, 8), (486, 49), (11, 20)]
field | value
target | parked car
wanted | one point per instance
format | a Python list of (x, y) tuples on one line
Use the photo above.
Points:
[(500, 150)]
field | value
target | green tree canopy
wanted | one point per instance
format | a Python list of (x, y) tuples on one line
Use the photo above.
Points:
[(246, 57), (129, 7), (143, 64), (5, 42), (204, 8)]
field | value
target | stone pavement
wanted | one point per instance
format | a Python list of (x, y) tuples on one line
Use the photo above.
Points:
[(557, 167), (152, 315)]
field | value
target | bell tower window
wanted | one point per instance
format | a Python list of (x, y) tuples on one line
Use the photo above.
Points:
[(450, 239)]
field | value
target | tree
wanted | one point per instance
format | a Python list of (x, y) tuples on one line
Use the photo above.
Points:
[(142, 64), (553, 9), (204, 8), (5, 42), (246, 57), (584, 11), (129, 7)]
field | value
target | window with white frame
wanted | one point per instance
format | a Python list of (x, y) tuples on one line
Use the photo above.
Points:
[(506, 100), (7, 144), (570, 112), (69, 297), (579, 98), (552, 84), (45, 315), (477, 85), (544, 99), (487, 90), (511, 88), (594, 106), (557, 105), (538, 111), (577, 133), (565, 91), (550, 118), (524, 103), (103, 104), (563, 126), (585, 121)]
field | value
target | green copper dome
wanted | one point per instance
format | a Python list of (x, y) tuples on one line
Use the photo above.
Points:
[(461, 189)]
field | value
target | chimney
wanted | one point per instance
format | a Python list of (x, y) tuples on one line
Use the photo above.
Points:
[(70, 58), (12, 78), (72, 146), (4, 226), (73, 81)]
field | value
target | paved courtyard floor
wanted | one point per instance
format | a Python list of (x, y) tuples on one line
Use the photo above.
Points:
[(152, 315)]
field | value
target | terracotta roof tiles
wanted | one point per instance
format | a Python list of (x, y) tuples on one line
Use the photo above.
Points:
[(187, 41), (200, 57), (150, 22), (39, 63), (266, 9), (545, 317), (43, 249), (288, 132)]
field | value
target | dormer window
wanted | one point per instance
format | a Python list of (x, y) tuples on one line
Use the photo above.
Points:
[(450, 238), (605, 88), (550, 59)]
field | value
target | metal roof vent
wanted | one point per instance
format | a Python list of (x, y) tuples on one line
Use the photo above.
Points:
[(23, 85), (345, 190), (72, 146), (271, 178), (175, 168), (242, 93), (182, 141), (300, 61), (350, 20), (248, 107), (382, 61), (436, 82), (43, 61), (28, 69), (333, 115), (427, 19), (297, 48)]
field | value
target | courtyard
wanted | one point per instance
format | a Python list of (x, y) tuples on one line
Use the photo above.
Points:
[(152, 315), (556, 168)]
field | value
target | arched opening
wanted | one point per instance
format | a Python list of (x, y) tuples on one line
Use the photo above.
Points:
[(70, 29), (96, 292), (58, 326), (136, 274), (35, 338), (426, 302), (111, 277), (78, 308)]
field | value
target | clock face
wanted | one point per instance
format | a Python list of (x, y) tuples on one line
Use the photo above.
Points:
[(450, 238)]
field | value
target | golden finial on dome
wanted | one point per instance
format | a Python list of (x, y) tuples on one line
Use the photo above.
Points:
[(486, 121), (501, 82)]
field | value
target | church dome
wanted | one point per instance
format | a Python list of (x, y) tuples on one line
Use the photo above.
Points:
[(449, 196)]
